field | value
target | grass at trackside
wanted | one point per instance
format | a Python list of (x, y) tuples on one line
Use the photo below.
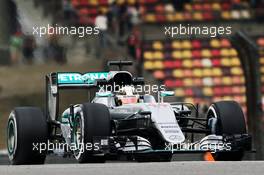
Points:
[(24, 85)]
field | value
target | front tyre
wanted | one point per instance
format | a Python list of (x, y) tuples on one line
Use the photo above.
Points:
[(227, 118), (26, 130), (92, 121)]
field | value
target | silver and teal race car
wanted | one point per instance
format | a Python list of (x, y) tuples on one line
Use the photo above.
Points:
[(120, 122)]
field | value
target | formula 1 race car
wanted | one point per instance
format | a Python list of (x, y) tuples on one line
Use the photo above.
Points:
[(118, 121)]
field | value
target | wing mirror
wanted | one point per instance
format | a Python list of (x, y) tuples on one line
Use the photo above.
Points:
[(104, 94), (166, 93), (163, 94)]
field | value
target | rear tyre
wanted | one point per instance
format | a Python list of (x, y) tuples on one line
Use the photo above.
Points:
[(230, 120), (94, 120), (26, 130)]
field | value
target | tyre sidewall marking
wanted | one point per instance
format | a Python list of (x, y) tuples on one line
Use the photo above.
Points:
[(213, 110), (12, 119), (78, 155)]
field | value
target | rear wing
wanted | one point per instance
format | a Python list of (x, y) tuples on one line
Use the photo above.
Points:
[(67, 80), (75, 79)]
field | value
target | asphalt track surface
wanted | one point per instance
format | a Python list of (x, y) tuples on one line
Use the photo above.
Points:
[(60, 166), (118, 168)]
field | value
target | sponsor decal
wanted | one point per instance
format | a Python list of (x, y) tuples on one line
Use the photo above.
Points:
[(171, 131), (175, 137), (77, 78)]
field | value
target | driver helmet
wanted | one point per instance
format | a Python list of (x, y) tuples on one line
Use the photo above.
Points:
[(127, 95)]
